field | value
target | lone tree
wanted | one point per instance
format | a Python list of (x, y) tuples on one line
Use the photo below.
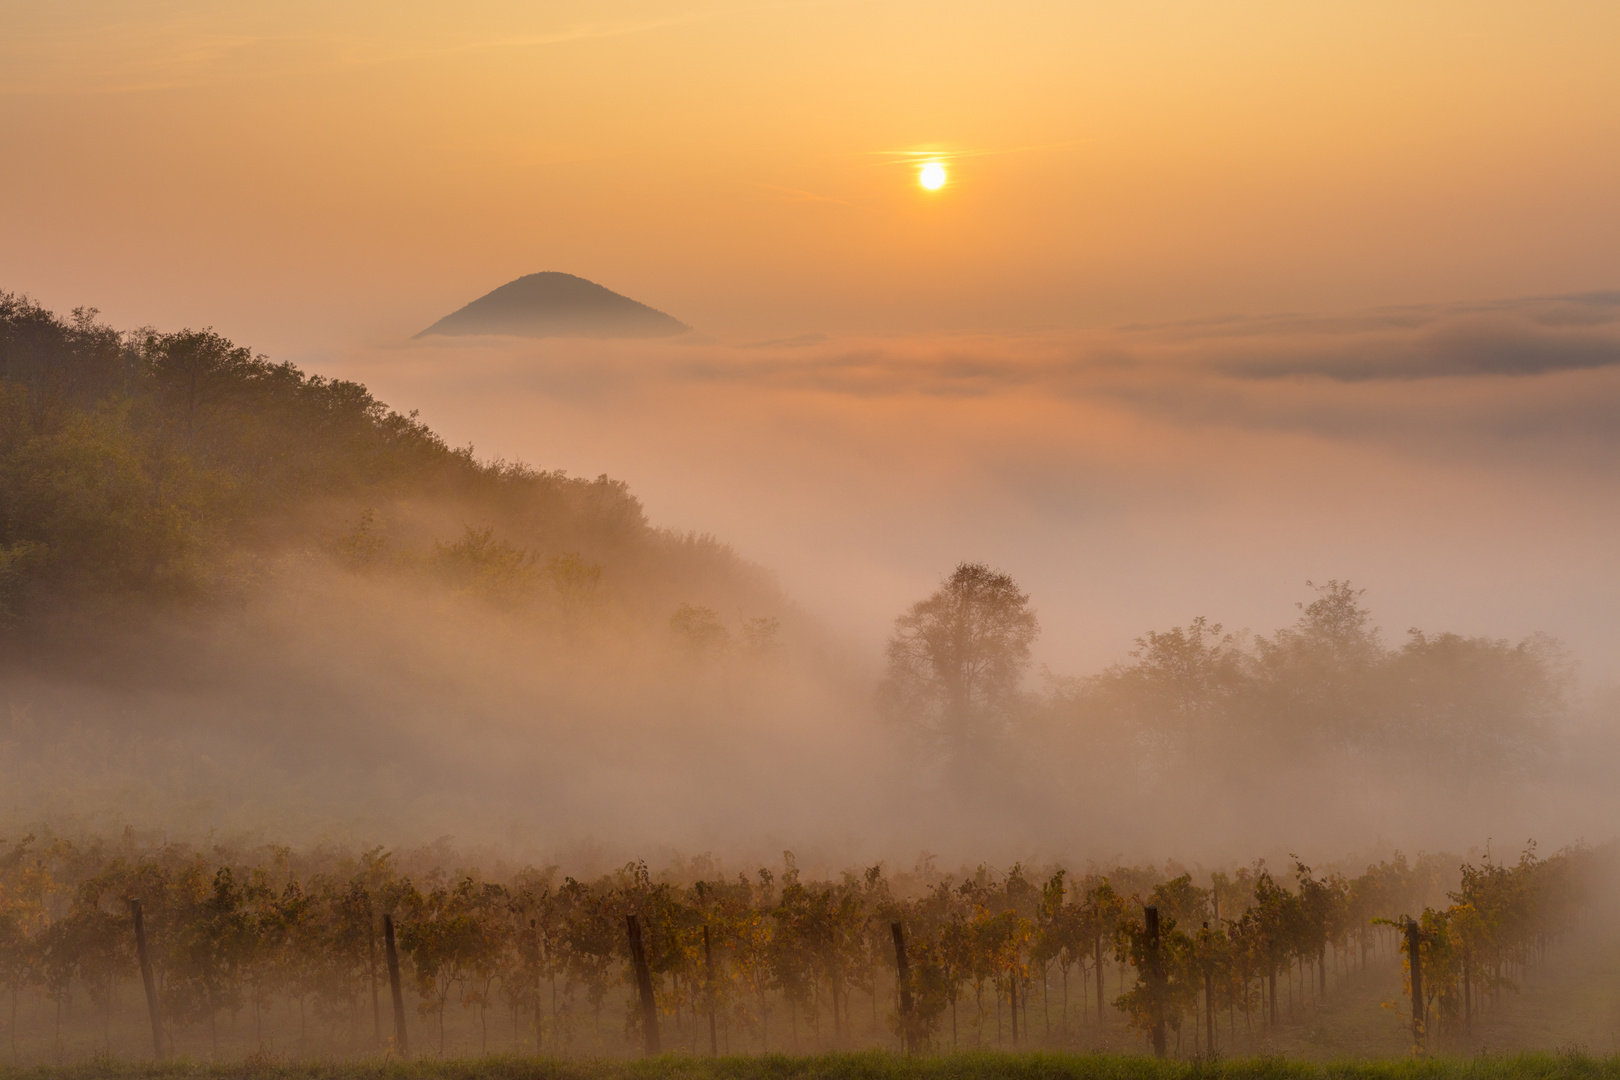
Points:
[(955, 661)]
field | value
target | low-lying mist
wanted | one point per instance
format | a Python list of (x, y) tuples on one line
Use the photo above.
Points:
[(1455, 460), (526, 664), (385, 706)]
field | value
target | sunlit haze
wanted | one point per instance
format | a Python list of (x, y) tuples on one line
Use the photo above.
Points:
[(303, 175), (585, 529), (1163, 309)]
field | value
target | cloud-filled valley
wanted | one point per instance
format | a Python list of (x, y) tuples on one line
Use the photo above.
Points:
[(1130, 478)]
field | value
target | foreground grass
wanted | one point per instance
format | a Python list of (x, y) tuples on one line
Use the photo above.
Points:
[(872, 1065)]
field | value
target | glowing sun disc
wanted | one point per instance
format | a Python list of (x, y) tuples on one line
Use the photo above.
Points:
[(932, 176)]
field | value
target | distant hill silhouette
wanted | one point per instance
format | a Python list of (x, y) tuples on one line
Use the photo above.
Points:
[(552, 304)]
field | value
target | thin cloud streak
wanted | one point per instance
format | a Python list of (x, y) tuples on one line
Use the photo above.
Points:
[(1268, 373), (585, 32), (917, 157), (139, 57)]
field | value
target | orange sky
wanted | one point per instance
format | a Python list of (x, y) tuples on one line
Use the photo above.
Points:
[(307, 173), (320, 180)]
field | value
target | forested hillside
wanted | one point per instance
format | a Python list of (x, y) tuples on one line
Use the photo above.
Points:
[(145, 468), (238, 596)]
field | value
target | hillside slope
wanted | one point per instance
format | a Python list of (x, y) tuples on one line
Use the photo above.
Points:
[(170, 467), (237, 597)]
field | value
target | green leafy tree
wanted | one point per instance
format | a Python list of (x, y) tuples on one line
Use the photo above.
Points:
[(955, 662), (698, 632), (206, 945), (449, 939), (1166, 988)]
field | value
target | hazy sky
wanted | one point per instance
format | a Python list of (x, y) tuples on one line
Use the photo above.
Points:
[(302, 173), (321, 180)]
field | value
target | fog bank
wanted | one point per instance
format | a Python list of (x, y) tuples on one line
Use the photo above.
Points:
[(1456, 460)]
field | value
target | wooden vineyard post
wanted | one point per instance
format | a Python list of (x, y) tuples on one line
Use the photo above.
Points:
[(539, 1008), (1102, 1012), (902, 975), (402, 1042), (1215, 909), (649, 1011), (1155, 977), (1468, 997), (708, 975), (147, 980), (1209, 999), (1414, 956), (1012, 995), (371, 970)]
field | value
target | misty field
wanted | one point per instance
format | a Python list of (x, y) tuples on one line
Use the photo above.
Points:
[(1016, 541), (252, 617), (238, 598)]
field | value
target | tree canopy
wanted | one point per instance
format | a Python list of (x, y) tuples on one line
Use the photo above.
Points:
[(157, 467), (956, 659)]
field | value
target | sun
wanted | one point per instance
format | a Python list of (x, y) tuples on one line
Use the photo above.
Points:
[(932, 176)]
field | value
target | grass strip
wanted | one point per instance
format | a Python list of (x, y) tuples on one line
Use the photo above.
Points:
[(869, 1065)]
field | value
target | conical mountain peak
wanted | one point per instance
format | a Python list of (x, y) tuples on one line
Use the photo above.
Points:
[(552, 304)]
